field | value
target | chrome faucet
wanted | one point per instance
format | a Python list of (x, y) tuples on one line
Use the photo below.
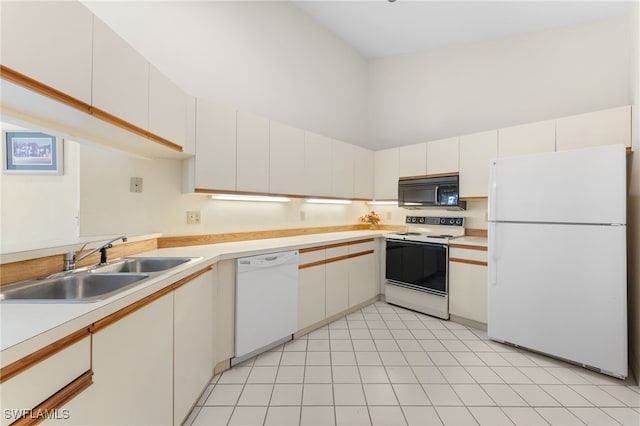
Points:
[(70, 259)]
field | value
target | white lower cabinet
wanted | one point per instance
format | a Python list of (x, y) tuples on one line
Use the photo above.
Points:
[(193, 349), (311, 296), (132, 361), (363, 283), (468, 284), (337, 297)]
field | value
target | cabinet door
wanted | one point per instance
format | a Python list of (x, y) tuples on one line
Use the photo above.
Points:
[(442, 156), (363, 282), (475, 152), (337, 291), (120, 77), (412, 160), (363, 176), (49, 42), (215, 161), (225, 311), (386, 174), (311, 296), (193, 343), (286, 160), (253, 153), (606, 127), (317, 164), (468, 291), (343, 161), (133, 370), (533, 138), (168, 107)]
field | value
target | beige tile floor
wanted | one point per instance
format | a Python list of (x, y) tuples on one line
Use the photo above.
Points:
[(385, 365)]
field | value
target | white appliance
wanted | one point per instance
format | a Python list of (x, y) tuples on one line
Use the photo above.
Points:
[(557, 255), (417, 261), (266, 302)]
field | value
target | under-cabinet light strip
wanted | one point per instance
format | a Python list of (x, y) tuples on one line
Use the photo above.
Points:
[(326, 201), (382, 203), (236, 197)]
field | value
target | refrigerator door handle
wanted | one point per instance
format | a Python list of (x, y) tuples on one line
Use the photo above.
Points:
[(493, 188), (493, 252)]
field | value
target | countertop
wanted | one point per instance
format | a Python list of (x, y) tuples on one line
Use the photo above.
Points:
[(27, 327), (471, 241)]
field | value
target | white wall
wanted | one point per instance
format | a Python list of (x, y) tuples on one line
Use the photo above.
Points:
[(469, 88), (263, 57), (633, 213), (107, 206), (40, 210)]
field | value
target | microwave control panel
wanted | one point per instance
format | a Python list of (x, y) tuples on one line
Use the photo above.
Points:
[(431, 220)]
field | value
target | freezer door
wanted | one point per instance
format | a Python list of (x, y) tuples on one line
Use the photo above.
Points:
[(578, 186), (561, 290)]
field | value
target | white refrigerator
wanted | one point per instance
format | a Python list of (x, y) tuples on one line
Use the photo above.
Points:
[(557, 255)]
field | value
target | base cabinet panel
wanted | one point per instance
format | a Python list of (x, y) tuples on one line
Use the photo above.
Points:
[(225, 311), (337, 292), (193, 343), (133, 371), (468, 291), (363, 282), (311, 296)]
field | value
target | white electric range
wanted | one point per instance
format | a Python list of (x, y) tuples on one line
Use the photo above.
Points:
[(417, 263)]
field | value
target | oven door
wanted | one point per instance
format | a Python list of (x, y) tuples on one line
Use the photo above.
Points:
[(417, 265)]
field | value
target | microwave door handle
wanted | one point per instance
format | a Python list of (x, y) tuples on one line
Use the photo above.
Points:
[(436, 195)]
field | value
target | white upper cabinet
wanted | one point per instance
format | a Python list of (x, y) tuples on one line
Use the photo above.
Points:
[(412, 160), (363, 177), (343, 162), (252, 173), (286, 160), (49, 42), (120, 77), (386, 174), (606, 127), (317, 164), (442, 156), (168, 108), (215, 160), (532, 138), (475, 152)]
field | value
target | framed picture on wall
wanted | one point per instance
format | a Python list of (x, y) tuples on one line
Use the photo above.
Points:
[(32, 153)]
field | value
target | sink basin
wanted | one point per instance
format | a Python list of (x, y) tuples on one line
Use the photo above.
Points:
[(71, 288), (143, 264)]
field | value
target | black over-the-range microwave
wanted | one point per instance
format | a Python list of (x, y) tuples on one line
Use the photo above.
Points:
[(422, 193)]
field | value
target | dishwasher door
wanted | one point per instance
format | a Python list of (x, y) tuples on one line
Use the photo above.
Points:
[(266, 302)]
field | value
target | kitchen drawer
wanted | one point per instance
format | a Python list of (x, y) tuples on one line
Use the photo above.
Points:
[(468, 254), (51, 375), (311, 256), (337, 251), (360, 247)]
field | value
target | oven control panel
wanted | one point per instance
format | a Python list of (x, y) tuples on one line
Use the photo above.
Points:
[(432, 220)]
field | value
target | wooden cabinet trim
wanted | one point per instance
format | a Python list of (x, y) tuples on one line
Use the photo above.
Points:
[(42, 89), (433, 175), (471, 232), (473, 198), (40, 355), (468, 247), (328, 246), (57, 400), (335, 259), (469, 261), (118, 315)]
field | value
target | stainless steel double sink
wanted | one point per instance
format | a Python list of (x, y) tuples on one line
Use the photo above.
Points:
[(90, 284)]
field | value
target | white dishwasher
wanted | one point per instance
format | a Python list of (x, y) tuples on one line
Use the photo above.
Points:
[(266, 302)]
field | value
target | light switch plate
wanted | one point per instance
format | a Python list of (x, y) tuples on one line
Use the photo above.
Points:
[(136, 184)]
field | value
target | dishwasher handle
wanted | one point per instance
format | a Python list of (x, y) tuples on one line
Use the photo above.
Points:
[(268, 260)]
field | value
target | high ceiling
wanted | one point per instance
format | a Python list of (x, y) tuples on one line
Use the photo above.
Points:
[(378, 28)]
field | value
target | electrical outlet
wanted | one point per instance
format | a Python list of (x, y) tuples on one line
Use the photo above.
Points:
[(135, 184), (193, 217)]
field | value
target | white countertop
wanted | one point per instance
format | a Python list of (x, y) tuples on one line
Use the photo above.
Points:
[(471, 241), (27, 327)]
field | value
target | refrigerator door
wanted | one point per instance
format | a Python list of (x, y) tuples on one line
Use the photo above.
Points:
[(560, 290), (578, 186)]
